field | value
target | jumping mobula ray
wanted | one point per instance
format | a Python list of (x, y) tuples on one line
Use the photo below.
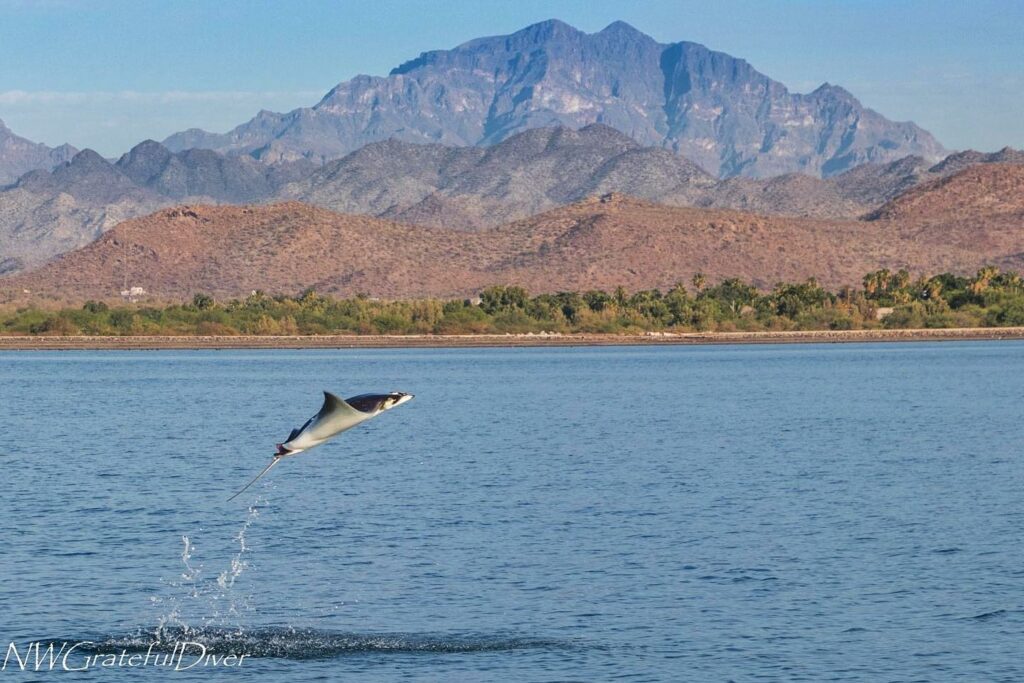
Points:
[(335, 416)]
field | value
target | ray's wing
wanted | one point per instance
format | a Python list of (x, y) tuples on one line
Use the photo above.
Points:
[(298, 430), (335, 416), (335, 406)]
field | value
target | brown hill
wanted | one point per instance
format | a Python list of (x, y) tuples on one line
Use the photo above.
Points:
[(284, 248), (981, 190), (231, 250)]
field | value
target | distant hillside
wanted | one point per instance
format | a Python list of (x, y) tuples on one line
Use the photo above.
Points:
[(961, 160), (710, 107), (793, 194), (539, 169), (472, 187), (203, 175), (18, 156), (48, 213), (284, 248), (982, 191), (232, 250), (463, 188)]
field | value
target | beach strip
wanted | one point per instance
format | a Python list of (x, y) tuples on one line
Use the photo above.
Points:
[(57, 343)]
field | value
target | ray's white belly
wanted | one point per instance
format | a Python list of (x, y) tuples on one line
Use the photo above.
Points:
[(318, 432)]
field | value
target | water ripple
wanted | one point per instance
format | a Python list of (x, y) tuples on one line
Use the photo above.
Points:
[(311, 643)]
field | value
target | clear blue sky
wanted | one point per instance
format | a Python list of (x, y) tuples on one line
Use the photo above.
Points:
[(108, 73)]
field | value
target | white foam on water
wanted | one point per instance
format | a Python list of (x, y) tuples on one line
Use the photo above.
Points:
[(308, 643)]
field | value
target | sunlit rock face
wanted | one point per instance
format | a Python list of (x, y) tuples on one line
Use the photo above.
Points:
[(712, 108)]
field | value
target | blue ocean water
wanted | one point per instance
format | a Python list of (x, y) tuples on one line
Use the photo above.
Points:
[(797, 513)]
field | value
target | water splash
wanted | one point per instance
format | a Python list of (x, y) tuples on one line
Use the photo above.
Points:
[(190, 577), (194, 613), (227, 577), (197, 602)]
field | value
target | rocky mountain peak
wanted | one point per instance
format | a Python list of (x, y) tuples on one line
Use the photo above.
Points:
[(87, 177), (144, 161), (711, 107), (145, 149), (86, 161), (837, 93), (19, 156), (549, 30), (621, 28)]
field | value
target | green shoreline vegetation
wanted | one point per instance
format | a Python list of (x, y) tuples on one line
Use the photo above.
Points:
[(886, 300)]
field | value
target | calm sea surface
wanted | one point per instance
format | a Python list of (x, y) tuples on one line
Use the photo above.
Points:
[(794, 513)]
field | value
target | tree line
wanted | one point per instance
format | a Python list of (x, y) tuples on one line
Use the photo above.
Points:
[(990, 298)]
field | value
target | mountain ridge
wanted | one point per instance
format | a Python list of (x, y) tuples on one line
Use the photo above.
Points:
[(710, 107), (19, 155), (468, 188)]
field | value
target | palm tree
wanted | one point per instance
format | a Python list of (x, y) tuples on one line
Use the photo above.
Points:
[(901, 279), (885, 279), (699, 281), (1008, 280), (877, 282), (1013, 281), (983, 279)]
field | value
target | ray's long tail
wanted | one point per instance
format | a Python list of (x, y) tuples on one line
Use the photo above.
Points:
[(277, 459)]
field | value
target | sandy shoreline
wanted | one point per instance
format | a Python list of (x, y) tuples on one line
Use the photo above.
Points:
[(39, 343)]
